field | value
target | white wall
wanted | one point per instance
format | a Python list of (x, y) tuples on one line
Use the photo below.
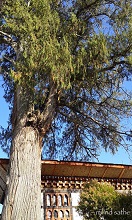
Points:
[(75, 196), (1, 206)]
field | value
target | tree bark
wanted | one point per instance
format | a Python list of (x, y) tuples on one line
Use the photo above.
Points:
[(23, 195)]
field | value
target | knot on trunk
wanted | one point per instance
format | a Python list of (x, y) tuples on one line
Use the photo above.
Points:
[(31, 119), (36, 120)]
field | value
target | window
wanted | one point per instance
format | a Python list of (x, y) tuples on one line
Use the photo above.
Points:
[(61, 214), (65, 200), (54, 200), (48, 200), (67, 213), (59, 200), (49, 214), (57, 205), (55, 214)]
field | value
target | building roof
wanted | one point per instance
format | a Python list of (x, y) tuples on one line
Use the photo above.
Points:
[(73, 169), (86, 169)]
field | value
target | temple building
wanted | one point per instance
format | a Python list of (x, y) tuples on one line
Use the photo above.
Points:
[(62, 182)]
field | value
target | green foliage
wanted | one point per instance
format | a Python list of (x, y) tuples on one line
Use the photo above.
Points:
[(123, 207), (84, 49), (99, 200), (96, 197), (36, 27), (46, 43)]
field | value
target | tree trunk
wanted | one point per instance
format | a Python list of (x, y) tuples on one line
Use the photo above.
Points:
[(23, 195)]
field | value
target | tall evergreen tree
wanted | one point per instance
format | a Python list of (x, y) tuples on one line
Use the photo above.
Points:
[(63, 63)]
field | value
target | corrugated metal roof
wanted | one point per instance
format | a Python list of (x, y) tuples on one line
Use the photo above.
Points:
[(73, 169)]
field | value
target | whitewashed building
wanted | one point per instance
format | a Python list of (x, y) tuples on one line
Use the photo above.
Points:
[(62, 182)]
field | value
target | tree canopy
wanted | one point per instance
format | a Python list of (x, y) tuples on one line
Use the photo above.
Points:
[(80, 51)]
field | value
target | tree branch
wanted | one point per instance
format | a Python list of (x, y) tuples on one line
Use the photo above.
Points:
[(9, 60), (5, 35), (42, 121)]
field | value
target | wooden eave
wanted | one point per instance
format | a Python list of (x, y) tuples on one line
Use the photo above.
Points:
[(86, 169)]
